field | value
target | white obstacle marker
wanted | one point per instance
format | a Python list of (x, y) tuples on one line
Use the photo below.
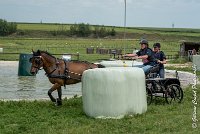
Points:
[(120, 63), (196, 61), (114, 92)]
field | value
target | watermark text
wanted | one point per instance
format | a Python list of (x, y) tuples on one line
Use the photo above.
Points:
[(194, 100)]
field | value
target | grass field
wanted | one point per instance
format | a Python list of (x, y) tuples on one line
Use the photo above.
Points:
[(43, 117), (38, 36), (56, 26), (76, 45), (184, 32), (41, 27)]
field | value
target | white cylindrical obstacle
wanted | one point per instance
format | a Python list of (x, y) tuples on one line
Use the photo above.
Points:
[(196, 61), (114, 92), (120, 63)]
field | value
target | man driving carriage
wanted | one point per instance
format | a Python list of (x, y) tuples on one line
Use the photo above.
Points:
[(147, 56), (160, 58)]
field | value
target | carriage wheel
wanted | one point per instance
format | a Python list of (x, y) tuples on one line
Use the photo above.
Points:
[(173, 93), (149, 96)]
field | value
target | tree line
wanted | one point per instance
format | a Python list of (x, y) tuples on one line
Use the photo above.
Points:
[(85, 30), (7, 28), (78, 30)]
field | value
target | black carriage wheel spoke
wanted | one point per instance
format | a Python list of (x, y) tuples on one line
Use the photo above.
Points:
[(149, 96), (174, 93), (178, 93)]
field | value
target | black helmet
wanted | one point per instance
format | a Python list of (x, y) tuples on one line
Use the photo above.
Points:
[(144, 41), (156, 45)]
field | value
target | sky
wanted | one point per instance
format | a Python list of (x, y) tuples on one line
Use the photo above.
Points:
[(140, 13)]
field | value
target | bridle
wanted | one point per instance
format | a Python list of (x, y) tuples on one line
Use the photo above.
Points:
[(38, 61)]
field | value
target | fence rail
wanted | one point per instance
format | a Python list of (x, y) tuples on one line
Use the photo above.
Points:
[(13, 56)]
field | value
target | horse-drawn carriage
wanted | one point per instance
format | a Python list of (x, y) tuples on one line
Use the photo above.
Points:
[(168, 88), (61, 73)]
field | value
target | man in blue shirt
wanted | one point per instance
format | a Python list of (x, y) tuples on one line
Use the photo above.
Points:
[(160, 58), (147, 56)]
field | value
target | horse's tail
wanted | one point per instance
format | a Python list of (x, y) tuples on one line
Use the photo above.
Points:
[(100, 66)]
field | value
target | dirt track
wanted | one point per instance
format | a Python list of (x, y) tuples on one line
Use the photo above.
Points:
[(185, 78)]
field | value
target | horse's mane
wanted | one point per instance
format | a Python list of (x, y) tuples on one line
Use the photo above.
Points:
[(38, 53)]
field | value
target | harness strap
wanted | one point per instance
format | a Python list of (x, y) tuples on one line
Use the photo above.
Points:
[(75, 73), (65, 73), (37, 67), (49, 74), (65, 76)]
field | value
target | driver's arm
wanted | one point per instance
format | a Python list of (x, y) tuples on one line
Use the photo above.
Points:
[(164, 59), (143, 57), (162, 62), (130, 55)]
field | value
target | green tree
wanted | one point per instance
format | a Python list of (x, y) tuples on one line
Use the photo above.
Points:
[(73, 29), (84, 30), (113, 32), (7, 28), (102, 32), (96, 31)]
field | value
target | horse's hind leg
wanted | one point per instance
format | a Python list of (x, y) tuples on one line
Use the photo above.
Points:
[(50, 95), (59, 100), (59, 93), (53, 88)]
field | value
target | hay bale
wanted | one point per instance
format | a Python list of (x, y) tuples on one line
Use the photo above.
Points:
[(114, 92)]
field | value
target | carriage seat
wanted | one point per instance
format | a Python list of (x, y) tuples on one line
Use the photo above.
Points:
[(152, 73)]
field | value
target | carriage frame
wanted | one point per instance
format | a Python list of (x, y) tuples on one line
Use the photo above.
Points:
[(167, 88)]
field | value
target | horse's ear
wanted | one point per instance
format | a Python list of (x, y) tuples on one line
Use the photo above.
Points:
[(38, 52), (34, 53)]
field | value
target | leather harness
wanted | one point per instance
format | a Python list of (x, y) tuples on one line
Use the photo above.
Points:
[(64, 76)]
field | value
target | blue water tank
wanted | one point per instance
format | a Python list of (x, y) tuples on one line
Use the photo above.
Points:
[(24, 65)]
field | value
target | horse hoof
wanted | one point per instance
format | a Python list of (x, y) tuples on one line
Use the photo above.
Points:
[(58, 102), (55, 103)]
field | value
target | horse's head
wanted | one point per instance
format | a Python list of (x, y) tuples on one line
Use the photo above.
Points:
[(36, 61)]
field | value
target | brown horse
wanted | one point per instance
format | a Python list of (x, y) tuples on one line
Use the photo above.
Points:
[(59, 72)]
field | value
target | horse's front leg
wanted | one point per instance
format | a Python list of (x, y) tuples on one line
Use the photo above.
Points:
[(53, 88), (59, 99)]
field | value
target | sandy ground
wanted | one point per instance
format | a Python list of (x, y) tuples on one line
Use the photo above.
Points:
[(9, 63), (185, 78)]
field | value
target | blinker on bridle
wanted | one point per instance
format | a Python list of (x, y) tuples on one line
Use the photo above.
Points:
[(36, 61)]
